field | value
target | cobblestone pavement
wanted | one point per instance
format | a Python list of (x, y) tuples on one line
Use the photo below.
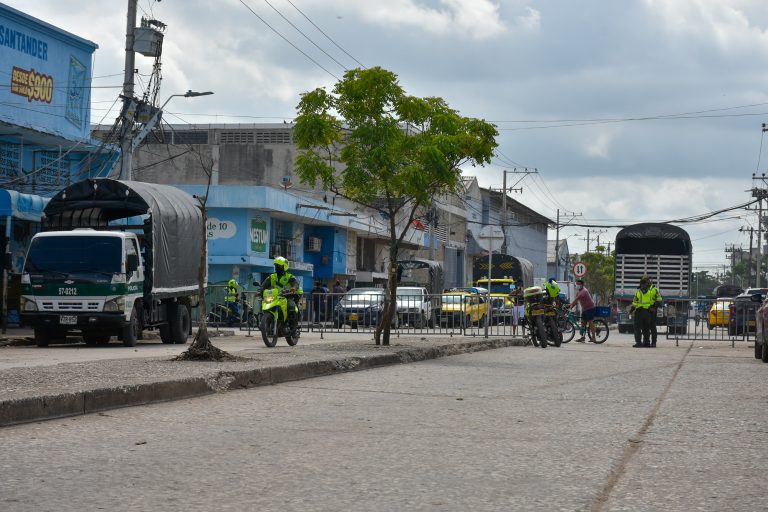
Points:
[(584, 427)]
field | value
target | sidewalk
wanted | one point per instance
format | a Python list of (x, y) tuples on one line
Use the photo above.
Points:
[(67, 389)]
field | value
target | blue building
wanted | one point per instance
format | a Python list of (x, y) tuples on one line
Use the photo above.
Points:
[(45, 139)]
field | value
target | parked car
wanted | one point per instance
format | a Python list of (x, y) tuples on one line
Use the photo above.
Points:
[(742, 311), (719, 313), (414, 306), (361, 306), (462, 307), (761, 327)]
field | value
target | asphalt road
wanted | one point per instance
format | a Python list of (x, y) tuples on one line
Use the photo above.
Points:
[(583, 427)]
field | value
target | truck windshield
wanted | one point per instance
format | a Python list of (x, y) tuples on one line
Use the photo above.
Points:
[(72, 254)]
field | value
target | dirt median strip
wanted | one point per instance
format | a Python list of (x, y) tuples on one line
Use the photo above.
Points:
[(110, 393)]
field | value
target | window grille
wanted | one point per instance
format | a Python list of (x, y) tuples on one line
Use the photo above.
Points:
[(9, 160), (191, 137), (236, 137)]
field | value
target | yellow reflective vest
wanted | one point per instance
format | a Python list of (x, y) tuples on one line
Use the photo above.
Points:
[(644, 300)]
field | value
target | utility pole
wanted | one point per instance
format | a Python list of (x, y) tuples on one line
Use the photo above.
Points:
[(759, 193), (126, 152), (504, 190), (749, 268), (572, 216)]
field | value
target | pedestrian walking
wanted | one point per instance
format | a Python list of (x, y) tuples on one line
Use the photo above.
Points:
[(319, 293), (641, 308), (587, 305)]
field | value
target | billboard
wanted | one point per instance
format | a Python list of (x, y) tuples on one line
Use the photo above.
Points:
[(47, 76)]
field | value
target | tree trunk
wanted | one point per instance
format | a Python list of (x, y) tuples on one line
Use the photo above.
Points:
[(201, 348)]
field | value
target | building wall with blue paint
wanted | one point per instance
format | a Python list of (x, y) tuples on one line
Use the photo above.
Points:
[(50, 76)]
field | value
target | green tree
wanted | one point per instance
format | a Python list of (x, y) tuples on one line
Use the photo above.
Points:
[(599, 278), (703, 284), (396, 152)]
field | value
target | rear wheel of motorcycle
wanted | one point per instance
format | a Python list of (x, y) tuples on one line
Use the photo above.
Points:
[(253, 320), (541, 331), (557, 336), (268, 330), (569, 332)]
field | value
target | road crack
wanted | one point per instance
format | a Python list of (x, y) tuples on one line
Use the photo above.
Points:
[(635, 442)]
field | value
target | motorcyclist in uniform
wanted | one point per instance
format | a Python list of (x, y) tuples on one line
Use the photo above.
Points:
[(232, 299), (282, 279)]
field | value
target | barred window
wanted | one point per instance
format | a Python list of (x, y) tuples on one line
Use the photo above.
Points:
[(236, 137), (9, 160), (190, 137)]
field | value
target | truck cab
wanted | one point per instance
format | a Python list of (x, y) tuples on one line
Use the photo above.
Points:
[(114, 258), (81, 282)]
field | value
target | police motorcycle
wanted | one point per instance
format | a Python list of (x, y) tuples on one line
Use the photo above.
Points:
[(541, 318), (274, 317), (222, 314)]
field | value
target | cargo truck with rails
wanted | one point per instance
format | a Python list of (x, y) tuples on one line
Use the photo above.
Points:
[(113, 258), (663, 253)]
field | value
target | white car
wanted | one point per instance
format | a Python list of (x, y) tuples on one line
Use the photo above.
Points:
[(414, 306)]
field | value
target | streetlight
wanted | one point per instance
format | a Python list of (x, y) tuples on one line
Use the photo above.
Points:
[(129, 146)]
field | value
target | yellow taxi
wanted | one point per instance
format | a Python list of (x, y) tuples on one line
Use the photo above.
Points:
[(463, 307), (501, 303), (719, 313)]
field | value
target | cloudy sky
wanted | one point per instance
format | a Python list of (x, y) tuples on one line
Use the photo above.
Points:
[(629, 110)]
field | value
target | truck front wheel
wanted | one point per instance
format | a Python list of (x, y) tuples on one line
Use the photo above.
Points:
[(42, 337), (131, 331)]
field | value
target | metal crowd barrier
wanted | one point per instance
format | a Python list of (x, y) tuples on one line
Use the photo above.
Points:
[(722, 319), (451, 314)]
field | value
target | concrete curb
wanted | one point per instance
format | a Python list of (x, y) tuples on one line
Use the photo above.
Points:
[(26, 410)]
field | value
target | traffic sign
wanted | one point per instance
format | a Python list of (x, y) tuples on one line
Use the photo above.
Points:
[(579, 269)]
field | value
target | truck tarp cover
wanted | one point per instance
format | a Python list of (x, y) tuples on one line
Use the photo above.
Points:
[(174, 231), (653, 238)]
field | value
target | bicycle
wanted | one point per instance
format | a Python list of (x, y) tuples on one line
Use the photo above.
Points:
[(573, 323)]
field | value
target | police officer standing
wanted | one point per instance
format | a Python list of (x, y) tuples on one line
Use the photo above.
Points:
[(655, 305), (641, 308)]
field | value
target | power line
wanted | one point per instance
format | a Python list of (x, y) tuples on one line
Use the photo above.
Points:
[(326, 35), (287, 41), (305, 36)]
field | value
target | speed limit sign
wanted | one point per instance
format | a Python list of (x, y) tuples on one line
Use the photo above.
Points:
[(579, 269)]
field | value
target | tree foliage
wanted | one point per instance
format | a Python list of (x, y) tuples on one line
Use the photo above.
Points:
[(392, 152), (599, 278)]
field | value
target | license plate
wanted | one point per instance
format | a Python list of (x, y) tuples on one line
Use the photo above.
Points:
[(353, 316), (68, 319)]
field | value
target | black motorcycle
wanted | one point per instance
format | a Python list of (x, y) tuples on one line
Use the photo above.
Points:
[(541, 318), (222, 315)]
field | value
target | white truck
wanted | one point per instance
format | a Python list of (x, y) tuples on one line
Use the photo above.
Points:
[(114, 258), (414, 307), (661, 252)]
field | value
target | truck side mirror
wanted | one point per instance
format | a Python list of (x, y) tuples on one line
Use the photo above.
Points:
[(132, 262)]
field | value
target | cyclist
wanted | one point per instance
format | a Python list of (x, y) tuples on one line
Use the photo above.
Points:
[(282, 279), (587, 304)]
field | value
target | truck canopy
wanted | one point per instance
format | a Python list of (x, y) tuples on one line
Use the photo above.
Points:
[(171, 230), (421, 272), (503, 265), (653, 238), (660, 251)]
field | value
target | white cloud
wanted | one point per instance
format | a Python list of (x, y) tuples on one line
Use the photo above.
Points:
[(474, 19), (530, 21), (600, 145), (731, 25)]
